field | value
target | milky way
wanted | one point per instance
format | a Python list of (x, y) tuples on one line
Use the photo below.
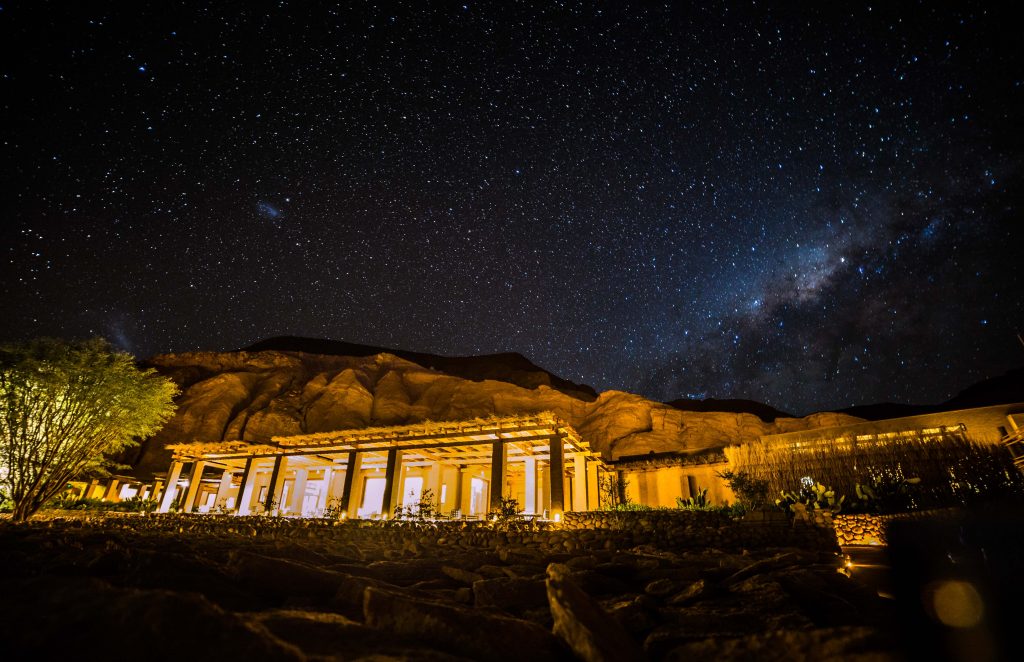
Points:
[(810, 207)]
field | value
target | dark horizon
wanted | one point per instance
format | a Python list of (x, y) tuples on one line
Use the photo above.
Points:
[(807, 207)]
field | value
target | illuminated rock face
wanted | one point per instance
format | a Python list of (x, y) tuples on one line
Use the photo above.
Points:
[(258, 395)]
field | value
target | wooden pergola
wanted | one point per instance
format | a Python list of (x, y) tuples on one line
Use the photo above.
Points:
[(508, 445)]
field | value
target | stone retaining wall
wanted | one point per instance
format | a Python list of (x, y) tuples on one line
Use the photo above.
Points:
[(864, 529), (579, 532), (859, 529), (687, 529)]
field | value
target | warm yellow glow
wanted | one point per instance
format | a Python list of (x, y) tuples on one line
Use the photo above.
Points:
[(956, 603), (557, 517)]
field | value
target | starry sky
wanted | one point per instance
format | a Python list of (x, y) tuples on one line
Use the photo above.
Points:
[(809, 206)]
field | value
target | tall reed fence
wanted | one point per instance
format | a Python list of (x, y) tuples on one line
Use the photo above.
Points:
[(953, 470)]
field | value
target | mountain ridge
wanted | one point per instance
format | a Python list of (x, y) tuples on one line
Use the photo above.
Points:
[(511, 367)]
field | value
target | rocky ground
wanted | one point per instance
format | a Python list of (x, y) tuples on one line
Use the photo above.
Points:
[(129, 589)]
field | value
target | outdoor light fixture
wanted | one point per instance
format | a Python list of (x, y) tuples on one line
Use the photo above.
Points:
[(557, 517)]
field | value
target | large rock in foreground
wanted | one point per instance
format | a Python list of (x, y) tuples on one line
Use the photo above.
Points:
[(475, 633)]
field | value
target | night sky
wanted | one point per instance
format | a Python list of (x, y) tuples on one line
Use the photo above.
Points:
[(809, 207)]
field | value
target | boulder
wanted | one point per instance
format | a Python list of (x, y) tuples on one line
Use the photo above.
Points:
[(842, 643), (510, 594), (279, 577), (695, 591), (324, 636), (65, 618), (460, 575), (591, 633), (460, 630)]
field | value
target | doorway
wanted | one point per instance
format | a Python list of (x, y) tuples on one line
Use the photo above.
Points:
[(478, 496)]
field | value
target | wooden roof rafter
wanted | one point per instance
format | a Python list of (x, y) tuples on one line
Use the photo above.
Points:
[(452, 441)]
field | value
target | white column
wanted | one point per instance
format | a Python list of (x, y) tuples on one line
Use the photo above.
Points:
[(193, 485), (298, 495), (592, 486), (158, 490), (275, 488), (579, 482), (543, 497), (325, 489), (433, 482), (243, 505), (222, 489), (352, 491), (112, 491), (466, 493), (530, 489), (170, 487)]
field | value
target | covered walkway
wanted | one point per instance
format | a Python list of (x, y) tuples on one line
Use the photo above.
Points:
[(464, 468)]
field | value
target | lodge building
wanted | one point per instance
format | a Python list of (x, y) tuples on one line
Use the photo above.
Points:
[(466, 468)]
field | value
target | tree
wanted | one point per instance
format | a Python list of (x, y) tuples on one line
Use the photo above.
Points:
[(65, 407)]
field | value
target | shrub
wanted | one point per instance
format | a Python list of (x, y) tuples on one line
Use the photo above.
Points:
[(612, 490), (508, 511), (423, 509), (751, 492), (904, 472), (698, 501), (629, 507), (814, 496), (132, 505)]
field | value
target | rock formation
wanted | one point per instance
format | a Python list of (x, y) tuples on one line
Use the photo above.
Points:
[(254, 396)]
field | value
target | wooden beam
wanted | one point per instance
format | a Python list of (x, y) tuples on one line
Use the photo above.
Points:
[(486, 434), (367, 449)]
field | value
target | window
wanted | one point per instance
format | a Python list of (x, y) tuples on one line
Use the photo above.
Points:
[(373, 497)]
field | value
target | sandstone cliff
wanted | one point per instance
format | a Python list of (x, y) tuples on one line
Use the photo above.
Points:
[(254, 396)]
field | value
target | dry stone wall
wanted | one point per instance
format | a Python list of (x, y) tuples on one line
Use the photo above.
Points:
[(863, 529), (578, 533)]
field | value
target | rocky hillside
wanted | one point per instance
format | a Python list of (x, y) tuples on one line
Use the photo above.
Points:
[(506, 367), (254, 396)]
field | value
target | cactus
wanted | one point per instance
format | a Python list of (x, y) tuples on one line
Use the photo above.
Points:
[(699, 501), (813, 496)]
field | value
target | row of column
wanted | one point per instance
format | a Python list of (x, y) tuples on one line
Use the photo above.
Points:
[(275, 486), (584, 485)]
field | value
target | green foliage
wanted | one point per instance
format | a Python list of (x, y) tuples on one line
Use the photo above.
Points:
[(698, 501), (612, 491), (271, 509), (423, 509), (886, 493), (136, 504), (333, 509), (132, 505), (751, 492), (814, 496), (508, 511), (906, 471), (629, 507), (65, 409), (736, 510)]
